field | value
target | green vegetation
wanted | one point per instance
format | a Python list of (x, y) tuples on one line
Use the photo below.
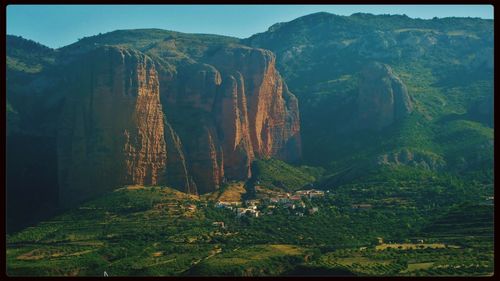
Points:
[(160, 231), (259, 260), (413, 199), (27, 56), (446, 65), (231, 192), (274, 173)]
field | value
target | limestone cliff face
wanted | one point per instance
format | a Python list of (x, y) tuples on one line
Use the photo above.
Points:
[(221, 113), (111, 129), (176, 172), (382, 98), (271, 111), (228, 110)]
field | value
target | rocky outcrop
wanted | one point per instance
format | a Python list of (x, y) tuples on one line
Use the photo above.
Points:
[(268, 111), (231, 117), (176, 171), (220, 115), (408, 157), (111, 129), (229, 110), (382, 98)]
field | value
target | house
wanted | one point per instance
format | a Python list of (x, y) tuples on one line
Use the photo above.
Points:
[(316, 193), (274, 200), (218, 224), (191, 207), (221, 204), (300, 214), (313, 210), (271, 206), (241, 213), (302, 192), (252, 202), (251, 212), (310, 193), (289, 205)]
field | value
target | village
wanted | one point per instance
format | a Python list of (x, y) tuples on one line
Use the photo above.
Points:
[(294, 202)]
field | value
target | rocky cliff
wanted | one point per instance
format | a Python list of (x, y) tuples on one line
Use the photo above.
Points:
[(125, 122), (228, 110), (382, 97), (111, 126)]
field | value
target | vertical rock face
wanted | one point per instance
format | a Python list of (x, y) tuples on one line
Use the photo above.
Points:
[(176, 172), (111, 127), (228, 111), (268, 111), (220, 115), (232, 119), (382, 98)]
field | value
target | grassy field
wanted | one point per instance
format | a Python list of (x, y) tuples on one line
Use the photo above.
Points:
[(232, 192), (406, 246), (251, 261)]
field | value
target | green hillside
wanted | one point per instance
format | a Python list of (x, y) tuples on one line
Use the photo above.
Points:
[(411, 198), (446, 65), (274, 173)]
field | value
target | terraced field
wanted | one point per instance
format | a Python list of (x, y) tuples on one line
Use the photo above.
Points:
[(158, 231)]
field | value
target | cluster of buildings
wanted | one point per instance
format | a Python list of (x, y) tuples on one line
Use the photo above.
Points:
[(258, 207), (311, 193), (240, 211), (227, 205), (297, 196)]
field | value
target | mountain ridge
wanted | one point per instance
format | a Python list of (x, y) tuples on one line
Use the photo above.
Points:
[(222, 92), (445, 65)]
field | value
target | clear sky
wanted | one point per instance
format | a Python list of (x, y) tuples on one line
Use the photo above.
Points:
[(59, 25)]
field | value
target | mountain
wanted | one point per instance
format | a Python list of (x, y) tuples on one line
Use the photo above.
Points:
[(177, 109), (370, 86), (382, 99), (377, 94), (153, 152)]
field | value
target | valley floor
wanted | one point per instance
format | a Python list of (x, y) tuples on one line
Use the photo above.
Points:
[(144, 231)]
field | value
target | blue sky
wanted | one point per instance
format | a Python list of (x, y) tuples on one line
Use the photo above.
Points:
[(60, 25)]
